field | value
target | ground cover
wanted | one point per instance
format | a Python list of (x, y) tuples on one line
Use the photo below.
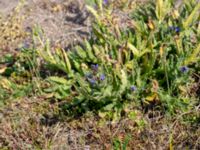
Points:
[(127, 78)]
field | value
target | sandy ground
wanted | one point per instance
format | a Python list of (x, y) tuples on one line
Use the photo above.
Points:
[(64, 21)]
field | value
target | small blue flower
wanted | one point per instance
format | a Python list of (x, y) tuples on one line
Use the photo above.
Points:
[(184, 69), (133, 88), (177, 29), (95, 67), (102, 77), (105, 2), (92, 81)]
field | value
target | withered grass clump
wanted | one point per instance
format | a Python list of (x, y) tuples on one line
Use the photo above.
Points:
[(12, 29)]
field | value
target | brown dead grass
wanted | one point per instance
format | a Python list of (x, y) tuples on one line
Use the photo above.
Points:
[(34, 123)]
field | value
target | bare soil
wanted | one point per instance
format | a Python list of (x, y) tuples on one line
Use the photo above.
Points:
[(64, 22)]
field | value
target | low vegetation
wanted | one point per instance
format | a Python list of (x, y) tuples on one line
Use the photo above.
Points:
[(137, 74)]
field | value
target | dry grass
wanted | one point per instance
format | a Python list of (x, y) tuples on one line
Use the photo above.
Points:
[(35, 123), (32, 123)]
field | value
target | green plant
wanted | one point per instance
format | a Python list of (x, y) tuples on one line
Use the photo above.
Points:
[(121, 144), (149, 63), (19, 75)]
